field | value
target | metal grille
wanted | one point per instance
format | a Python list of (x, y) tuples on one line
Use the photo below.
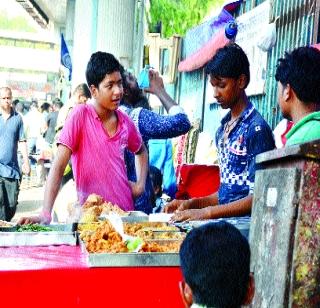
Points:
[(295, 25), (294, 28)]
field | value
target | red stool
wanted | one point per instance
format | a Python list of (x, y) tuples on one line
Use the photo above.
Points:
[(197, 181)]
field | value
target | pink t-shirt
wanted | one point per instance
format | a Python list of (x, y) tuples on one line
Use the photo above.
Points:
[(98, 160)]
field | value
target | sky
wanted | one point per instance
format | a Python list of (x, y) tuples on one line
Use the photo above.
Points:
[(12, 8)]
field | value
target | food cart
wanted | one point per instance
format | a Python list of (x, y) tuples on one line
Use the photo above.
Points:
[(50, 268), (33, 275)]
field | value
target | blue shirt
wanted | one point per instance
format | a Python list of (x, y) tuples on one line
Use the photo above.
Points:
[(250, 137), (152, 126), (161, 156), (11, 131)]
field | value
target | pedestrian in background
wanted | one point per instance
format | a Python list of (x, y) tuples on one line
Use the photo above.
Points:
[(11, 133)]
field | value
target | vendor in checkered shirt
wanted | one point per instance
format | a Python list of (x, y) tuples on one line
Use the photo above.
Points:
[(242, 135)]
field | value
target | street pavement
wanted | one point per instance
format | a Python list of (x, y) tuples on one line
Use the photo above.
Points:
[(30, 198)]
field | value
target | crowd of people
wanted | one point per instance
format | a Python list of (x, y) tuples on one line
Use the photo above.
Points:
[(108, 122), (100, 139)]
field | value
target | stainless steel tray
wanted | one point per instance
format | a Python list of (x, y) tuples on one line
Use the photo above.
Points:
[(144, 259), (133, 216), (8, 239), (241, 223)]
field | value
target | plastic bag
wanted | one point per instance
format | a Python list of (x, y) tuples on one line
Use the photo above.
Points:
[(268, 38), (143, 78)]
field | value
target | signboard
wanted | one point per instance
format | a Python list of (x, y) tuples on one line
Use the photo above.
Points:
[(250, 27)]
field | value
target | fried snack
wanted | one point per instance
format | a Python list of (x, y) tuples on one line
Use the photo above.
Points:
[(97, 202), (89, 226), (162, 235), (108, 207), (93, 200), (6, 224), (161, 247), (95, 206), (104, 239), (88, 218), (133, 228)]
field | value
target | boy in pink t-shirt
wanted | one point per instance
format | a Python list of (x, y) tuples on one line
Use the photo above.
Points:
[(95, 137)]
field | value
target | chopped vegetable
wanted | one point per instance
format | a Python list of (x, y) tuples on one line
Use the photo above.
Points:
[(34, 228)]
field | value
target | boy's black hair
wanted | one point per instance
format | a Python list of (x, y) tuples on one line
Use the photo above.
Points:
[(215, 262), (301, 70), (156, 178), (45, 107), (57, 102), (34, 104), (82, 89), (19, 107), (99, 65), (124, 76), (15, 102), (230, 61)]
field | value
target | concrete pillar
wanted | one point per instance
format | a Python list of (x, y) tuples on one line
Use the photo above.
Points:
[(84, 38), (107, 25), (115, 29), (70, 24), (138, 39)]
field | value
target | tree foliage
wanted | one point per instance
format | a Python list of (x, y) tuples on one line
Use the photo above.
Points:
[(177, 16)]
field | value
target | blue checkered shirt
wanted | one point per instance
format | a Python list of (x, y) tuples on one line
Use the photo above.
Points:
[(250, 137)]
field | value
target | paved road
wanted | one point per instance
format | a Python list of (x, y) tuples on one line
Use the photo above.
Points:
[(30, 199)]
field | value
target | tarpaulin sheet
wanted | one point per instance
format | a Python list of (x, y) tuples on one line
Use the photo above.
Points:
[(57, 276), (33, 258)]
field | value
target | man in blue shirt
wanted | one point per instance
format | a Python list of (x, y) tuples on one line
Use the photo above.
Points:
[(242, 135), (11, 132)]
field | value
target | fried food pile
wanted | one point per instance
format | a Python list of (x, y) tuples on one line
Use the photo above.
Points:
[(153, 231), (106, 240), (96, 206), (103, 239)]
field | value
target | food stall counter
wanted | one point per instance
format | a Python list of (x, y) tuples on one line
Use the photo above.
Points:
[(53, 276)]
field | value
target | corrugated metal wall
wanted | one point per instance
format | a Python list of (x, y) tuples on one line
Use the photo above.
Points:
[(294, 28)]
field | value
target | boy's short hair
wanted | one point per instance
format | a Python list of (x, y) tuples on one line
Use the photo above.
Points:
[(34, 104), (230, 61), (57, 103), (82, 89), (301, 70), (99, 65), (156, 178), (124, 76), (215, 262)]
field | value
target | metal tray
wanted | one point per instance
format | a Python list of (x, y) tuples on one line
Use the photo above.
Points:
[(241, 223), (143, 259), (8, 239), (54, 227), (133, 216), (8, 229), (7, 226)]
